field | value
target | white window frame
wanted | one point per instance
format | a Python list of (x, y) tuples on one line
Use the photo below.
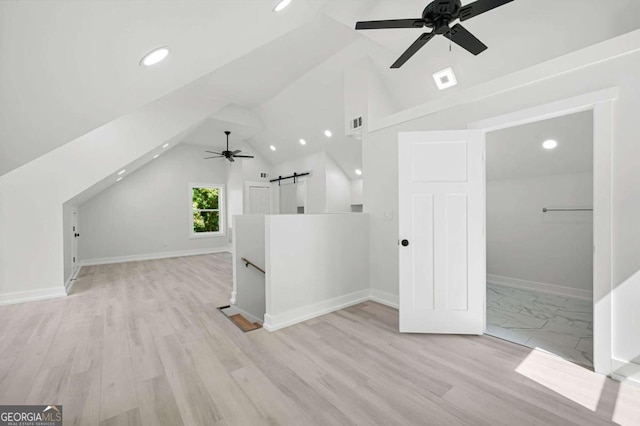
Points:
[(222, 207)]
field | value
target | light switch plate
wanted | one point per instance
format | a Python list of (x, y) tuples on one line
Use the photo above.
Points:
[(388, 215)]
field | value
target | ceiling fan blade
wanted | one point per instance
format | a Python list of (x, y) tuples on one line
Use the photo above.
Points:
[(219, 156), (243, 156), (463, 38), (230, 159), (211, 152), (237, 151), (417, 45), (390, 23), (480, 7)]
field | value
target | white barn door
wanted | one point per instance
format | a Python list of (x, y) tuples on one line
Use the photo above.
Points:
[(441, 224)]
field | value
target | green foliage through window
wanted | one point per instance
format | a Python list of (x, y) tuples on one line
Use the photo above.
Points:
[(206, 210)]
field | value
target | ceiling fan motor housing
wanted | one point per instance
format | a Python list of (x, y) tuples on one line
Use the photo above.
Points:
[(440, 13)]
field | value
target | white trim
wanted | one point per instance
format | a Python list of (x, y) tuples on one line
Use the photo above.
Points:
[(557, 290), (384, 298), (153, 256), (304, 313), (69, 284), (602, 104), (610, 49), (557, 109), (626, 371), (31, 296), (222, 210)]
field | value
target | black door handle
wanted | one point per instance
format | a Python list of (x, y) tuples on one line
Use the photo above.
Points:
[(77, 235), (405, 243)]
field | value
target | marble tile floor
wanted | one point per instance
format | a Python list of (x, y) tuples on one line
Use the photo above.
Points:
[(556, 324)]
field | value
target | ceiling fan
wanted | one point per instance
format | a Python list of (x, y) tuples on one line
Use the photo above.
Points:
[(229, 155), (437, 16)]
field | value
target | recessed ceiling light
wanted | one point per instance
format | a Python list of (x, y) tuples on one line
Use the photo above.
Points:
[(156, 156), (549, 144), (303, 142), (272, 148), (121, 172), (119, 179), (165, 146), (155, 56), (445, 79), (328, 133), (281, 5), (358, 172)]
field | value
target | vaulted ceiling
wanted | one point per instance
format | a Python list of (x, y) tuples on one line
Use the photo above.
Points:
[(68, 67)]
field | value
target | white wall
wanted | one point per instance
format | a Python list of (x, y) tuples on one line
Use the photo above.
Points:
[(524, 243), (31, 222), (248, 283), (148, 211), (67, 229), (357, 191), (316, 185), (328, 188), (235, 188), (338, 188), (315, 264), (380, 158)]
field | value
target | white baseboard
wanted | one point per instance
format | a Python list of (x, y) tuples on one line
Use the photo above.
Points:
[(294, 316), (31, 296), (626, 371), (384, 298), (153, 256), (541, 287), (69, 284)]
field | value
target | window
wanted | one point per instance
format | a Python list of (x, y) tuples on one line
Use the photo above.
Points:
[(207, 210)]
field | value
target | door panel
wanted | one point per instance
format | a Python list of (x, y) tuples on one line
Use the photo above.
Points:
[(441, 214), (259, 200)]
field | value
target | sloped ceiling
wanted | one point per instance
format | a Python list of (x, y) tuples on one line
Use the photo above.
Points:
[(71, 66), (519, 34), (68, 66)]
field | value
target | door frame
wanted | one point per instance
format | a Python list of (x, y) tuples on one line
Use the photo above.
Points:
[(74, 240), (249, 184), (602, 104)]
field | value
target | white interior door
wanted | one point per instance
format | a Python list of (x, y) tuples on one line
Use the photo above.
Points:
[(74, 239), (441, 224), (259, 199)]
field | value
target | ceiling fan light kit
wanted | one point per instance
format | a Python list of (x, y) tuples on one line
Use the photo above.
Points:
[(438, 15), (229, 155)]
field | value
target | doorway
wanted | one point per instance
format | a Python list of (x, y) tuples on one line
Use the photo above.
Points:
[(74, 240), (539, 235), (439, 216), (258, 198)]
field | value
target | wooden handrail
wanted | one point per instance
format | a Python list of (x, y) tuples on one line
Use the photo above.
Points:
[(248, 262)]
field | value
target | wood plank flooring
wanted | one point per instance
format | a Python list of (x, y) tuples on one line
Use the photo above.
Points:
[(142, 343)]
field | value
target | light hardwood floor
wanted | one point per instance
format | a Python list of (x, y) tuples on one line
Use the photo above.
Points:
[(143, 343)]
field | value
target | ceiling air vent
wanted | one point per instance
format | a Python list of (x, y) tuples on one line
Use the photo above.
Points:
[(355, 128), (356, 124)]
